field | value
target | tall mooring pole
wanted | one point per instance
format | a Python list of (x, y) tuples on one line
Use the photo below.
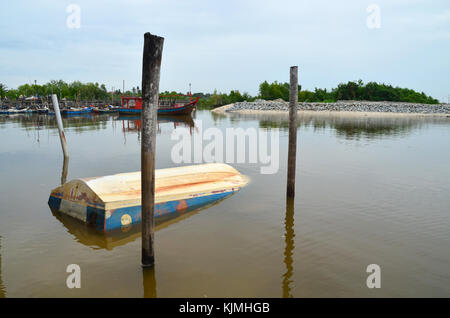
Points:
[(292, 152), (151, 66)]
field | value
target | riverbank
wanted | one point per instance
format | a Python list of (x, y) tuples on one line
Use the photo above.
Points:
[(344, 108)]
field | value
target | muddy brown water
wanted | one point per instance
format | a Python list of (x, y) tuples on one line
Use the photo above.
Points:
[(369, 191)]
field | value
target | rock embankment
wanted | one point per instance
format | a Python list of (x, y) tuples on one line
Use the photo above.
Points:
[(348, 106)]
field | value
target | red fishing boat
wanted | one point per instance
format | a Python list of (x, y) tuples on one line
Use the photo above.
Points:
[(168, 105)]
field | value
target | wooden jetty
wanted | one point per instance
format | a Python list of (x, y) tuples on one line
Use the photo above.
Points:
[(114, 201)]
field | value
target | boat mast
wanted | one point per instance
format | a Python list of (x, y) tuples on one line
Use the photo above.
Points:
[(123, 91)]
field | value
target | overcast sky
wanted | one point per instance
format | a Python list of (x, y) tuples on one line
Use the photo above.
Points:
[(228, 45)]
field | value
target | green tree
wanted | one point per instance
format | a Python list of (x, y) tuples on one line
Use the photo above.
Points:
[(3, 90)]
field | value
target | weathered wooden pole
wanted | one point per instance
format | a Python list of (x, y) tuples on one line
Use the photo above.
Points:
[(65, 170), (289, 236), (151, 66), (62, 137), (292, 152)]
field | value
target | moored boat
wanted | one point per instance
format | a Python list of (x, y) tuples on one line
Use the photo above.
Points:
[(108, 110), (114, 201), (11, 111), (168, 105), (74, 111), (8, 111), (42, 110)]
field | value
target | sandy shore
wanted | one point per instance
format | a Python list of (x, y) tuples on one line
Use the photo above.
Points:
[(223, 110)]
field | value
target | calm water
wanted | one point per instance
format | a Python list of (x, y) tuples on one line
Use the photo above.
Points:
[(368, 191)]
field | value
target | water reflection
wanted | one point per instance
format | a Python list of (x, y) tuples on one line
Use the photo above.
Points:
[(289, 235), (149, 282), (133, 124), (352, 127), (78, 123), (2, 287), (178, 121), (88, 236), (81, 123), (346, 127), (95, 239), (368, 128)]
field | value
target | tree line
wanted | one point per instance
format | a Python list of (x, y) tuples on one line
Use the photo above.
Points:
[(72, 91), (352, 90)]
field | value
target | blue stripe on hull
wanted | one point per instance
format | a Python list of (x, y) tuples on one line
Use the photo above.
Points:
[(169, 110), (131, 215), (54, 203), (133, 111), (75, 112), (130, 111)]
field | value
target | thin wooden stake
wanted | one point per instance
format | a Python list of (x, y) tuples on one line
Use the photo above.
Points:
[(62, 136), (292, 152), (151, 66), (65, 170)]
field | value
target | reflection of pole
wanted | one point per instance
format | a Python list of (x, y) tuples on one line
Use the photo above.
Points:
[(38, 122), (62, 137), (65, 170), (35, 92), (289, 235), (124, 133), (292, 152), (2, 288), (149, 282), (151, 67)]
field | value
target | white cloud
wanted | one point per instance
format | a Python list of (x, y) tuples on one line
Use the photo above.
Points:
[(229, 45)]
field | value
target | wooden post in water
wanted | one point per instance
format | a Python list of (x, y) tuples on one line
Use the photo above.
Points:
[(289, 236), (292, 152), (62, 137), (151, 66)]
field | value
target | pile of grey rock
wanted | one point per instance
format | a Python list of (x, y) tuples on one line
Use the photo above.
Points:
[(352, 106)]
